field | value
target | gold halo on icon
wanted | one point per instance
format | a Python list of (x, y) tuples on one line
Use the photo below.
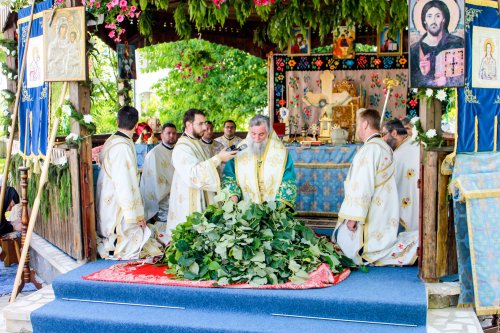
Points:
[(486, 42), (452, 7)]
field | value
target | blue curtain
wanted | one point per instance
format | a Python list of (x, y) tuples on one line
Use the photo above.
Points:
[(34, 103), (481, 102)]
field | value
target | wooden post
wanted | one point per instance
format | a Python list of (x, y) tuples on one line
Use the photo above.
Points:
[(442, 221), (80, 98), (428, 272), (28, 273)]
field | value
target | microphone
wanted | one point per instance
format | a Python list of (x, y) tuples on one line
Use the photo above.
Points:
[(242, 147), (234, 148)]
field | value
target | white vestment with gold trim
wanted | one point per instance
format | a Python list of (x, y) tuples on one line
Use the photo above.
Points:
[(259, 177), (119, 202), (407, 160), (371, 198), (156, 180), (195, 182)]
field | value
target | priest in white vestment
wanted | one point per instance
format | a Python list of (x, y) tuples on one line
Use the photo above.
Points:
[(228, 139), (196, 180), (264, 171), (367, 228), (407, 160), (156, 180), (120, 218)]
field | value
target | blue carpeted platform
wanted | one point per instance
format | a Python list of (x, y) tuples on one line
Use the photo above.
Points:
[(391, 295)]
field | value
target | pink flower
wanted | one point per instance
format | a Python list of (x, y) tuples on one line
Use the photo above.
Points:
[(84, 2), (110, 26), (109, 5), (121, 32), (123, 3), (137, 14), (120, 18), (111, 34), (115, 2), (117, 40), (133, 8), (98, 5)]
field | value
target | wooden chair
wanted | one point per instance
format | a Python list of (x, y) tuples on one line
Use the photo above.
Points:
[(11, 245)]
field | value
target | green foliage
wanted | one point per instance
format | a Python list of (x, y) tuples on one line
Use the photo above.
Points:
[(103, 73), (248, 243), (57, 189), (225, 82), (67, 110), (281, 17)]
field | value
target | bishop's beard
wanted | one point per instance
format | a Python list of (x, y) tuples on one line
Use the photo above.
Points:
[(256, 148)]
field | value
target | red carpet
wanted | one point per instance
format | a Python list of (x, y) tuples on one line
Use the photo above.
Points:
[(137, 272)]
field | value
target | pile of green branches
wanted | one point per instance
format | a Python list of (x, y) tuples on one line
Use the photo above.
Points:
[(248, 243)]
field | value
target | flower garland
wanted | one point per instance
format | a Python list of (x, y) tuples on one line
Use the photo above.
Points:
[(10, 73), (86, 121), (7, 96), (429, 139), (8, 46), (6, 99), (447, 97)]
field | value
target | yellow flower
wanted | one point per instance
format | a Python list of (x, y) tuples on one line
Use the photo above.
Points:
[(410, 173), (406, 202), (291, 63)]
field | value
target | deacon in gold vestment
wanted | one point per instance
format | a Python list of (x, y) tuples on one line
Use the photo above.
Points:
[(196, 180), (367, 229), (120, 218), (264, 171)]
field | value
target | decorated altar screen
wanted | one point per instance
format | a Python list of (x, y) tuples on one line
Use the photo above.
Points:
[(294, 77)]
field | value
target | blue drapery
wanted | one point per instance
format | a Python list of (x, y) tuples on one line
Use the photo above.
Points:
[(34, 103), (477, 102)]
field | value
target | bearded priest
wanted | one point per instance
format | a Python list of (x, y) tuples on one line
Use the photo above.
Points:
[(264, 171), (367, 228), (196, 180)]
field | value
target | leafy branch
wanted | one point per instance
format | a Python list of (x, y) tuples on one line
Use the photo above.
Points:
[(248, 243)]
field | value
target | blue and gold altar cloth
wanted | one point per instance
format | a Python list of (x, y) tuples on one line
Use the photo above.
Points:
[(320, 174), (476, 193)]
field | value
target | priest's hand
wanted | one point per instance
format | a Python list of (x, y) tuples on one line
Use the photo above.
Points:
[(352, 225), (142, 223), (226, 155), (235, 198)]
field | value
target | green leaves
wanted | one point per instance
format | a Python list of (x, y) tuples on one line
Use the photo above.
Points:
[(248, 243), (227, 83)]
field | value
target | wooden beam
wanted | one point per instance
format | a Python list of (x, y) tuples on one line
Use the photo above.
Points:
[(442, 221), (428, 272), (80, 98)]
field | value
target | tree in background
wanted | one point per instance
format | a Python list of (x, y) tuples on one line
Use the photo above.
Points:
[(227, 83), (103, 72)]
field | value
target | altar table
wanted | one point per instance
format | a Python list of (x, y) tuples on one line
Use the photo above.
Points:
[(321, 172)]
